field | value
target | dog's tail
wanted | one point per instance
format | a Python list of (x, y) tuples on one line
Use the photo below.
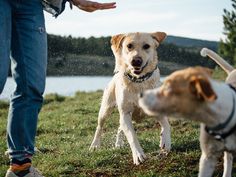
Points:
[(220, 61)]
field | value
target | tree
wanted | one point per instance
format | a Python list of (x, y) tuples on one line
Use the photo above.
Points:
[(227, 48)]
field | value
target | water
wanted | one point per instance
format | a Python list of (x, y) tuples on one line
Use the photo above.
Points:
[(66, 85)]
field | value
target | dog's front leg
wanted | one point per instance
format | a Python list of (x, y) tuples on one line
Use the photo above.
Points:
[(104, 112), (96, 143), (207, 164), (165, 138), (107, 105), (127, 127), (228, 164)]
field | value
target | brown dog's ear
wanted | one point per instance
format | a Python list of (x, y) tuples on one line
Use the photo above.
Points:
[(208, 71), (201, 88), (116, 41), (159, 36)]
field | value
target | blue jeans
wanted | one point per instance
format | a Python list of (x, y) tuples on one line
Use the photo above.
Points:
[(23, 37)]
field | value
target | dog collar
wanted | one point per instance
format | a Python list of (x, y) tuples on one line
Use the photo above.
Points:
[(141, 79), (221, 136)]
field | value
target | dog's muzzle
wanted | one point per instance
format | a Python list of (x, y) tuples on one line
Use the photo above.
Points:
[(136, 64)]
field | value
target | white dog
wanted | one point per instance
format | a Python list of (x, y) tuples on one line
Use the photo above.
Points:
[(135, 71), (193, 94)]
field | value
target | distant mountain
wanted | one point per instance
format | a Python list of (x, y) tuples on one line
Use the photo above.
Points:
[(93, 56), (189, 42)]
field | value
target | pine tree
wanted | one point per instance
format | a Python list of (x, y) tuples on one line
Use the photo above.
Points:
[(227, 48)]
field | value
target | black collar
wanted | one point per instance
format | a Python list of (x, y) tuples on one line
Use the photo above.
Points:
[(222, 136), (232, 87), (141, 79)]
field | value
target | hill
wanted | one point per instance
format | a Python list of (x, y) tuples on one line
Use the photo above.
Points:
[(93, 56), (190, 42)]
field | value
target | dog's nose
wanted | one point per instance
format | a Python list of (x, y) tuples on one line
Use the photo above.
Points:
[(141, 95), (137, 61)]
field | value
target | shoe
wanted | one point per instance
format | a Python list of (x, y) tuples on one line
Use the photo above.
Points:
[(33, 172)]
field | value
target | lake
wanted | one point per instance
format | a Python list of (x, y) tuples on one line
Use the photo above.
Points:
[(65, 85)]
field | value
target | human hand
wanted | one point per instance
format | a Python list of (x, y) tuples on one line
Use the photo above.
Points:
[(90, 6)]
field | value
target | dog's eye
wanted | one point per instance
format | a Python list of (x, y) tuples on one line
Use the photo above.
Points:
[(130, 46), (146, 46)]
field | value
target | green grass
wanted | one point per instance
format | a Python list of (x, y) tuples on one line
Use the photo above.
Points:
[(65, 130), (219, 74)]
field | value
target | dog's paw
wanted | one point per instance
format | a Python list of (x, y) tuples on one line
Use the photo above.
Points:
[(139, 157), (165, 146), (165, 142), (162, 153), (94, 146)]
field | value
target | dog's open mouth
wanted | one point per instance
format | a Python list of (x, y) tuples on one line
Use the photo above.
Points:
[(139, 70)]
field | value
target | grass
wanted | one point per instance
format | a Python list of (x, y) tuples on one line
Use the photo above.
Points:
[(219, 74), (65, 130)]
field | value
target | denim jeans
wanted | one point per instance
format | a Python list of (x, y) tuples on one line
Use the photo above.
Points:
[(23, 41)]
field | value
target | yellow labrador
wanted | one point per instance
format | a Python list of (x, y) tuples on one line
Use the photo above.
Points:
[(135, 71)]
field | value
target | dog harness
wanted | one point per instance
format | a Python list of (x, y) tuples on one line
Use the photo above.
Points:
[(141, 79), (214, 131)]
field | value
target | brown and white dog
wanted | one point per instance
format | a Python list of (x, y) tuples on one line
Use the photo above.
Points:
[(192, 93), (135, 71)]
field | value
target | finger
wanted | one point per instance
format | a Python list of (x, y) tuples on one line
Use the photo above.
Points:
[(107, 6), (110, 3), (91, 6), (104, 8), (94, 8)]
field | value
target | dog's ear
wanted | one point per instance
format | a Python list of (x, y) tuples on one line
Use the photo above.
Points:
[(159, 36), (116, 44), (201, 88), (207, 71), (116, 41)]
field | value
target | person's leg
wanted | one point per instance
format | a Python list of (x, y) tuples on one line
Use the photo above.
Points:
[(5, 40), (29, 60)]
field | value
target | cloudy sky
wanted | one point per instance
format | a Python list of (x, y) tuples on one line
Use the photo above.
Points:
[(201, 19)]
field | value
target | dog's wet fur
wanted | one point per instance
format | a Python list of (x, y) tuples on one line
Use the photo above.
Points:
[(136, 56)]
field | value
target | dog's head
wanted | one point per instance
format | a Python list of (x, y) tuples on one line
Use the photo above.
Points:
[(182, 92), (136, 51)]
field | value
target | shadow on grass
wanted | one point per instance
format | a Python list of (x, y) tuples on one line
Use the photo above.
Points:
[(186, 146), (93, 173), (53, 98), (183, 146)]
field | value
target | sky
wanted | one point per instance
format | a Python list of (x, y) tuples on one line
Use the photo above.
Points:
[(199, 19)]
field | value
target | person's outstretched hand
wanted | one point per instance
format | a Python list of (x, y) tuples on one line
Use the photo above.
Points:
[(90, 6)]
